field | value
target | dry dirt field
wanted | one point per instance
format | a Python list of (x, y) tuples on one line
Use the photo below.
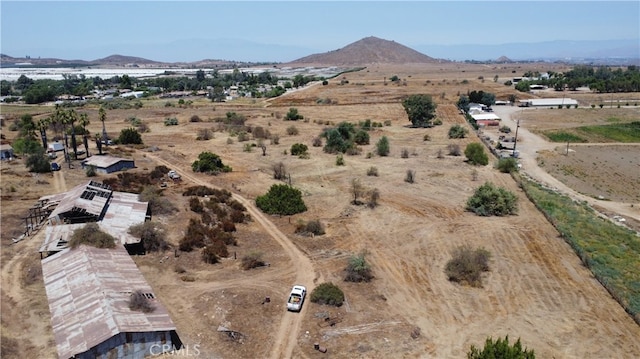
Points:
[(536, 289)]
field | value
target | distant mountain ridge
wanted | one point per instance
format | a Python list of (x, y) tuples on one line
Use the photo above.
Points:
[(367, 51)]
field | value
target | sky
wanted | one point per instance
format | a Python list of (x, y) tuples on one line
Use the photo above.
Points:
[(175, 31)]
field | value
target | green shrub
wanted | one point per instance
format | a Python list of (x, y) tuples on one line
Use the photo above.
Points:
[(507, 165), (327, 293), (382, 146), (489, 200), (476, 155), (281, 199), (339, 160), (361, 137), (293, 115), (130, 136), (171, 121), (299, 149), (90, 171), (466, 266), (91, 235), (457, 131), (500, 349)]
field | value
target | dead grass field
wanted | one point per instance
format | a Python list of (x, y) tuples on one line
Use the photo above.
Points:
[(537, 289)]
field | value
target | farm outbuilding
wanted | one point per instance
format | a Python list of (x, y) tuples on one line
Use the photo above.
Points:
[(113, 211), (548, 102), (55, 147), (486, 117), (89, 291), (6, 152), (108, 164)]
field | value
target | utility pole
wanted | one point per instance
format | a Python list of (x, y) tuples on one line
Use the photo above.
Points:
[(515, 140)]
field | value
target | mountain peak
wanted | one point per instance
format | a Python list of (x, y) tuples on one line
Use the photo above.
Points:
[(367, 51)]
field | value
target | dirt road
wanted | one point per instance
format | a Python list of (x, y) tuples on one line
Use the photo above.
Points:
[(286, 338), (529, 148)]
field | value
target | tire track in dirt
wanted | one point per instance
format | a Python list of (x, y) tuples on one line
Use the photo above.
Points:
[(289, 329)]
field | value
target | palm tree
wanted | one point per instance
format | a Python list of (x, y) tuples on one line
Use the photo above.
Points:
[(102, 114), (71, 117), (42, 126), (84, 121)]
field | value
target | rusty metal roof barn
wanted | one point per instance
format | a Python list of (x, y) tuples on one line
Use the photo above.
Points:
[(89, 291), (114, 212), (83, 203)]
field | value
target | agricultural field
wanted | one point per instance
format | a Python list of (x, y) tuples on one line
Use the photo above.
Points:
[(537, 287)]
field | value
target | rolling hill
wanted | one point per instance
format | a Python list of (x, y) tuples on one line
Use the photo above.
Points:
[(367, 51)]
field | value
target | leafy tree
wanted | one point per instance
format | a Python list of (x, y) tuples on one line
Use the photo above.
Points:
[(463, 103), (336, 142), (475, 154), (457, 131), (327, 293), (130, 136), (489, 200), (293, 115), (209, 163), (27, 146), (500, 349), (421, 109), (281, 199), (485, 98), (382, 146), (39, 163)]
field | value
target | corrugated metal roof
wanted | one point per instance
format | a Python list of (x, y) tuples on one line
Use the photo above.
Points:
[(90, 197), (5, 147), (103, 161), (122, 211), (88, 291), (485, 116)]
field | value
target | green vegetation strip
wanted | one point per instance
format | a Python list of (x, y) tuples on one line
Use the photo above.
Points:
[(610, 251), (619, 132), (561, 136)]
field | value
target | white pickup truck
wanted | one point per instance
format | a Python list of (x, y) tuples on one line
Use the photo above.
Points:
[(296, 298), (173, 175)]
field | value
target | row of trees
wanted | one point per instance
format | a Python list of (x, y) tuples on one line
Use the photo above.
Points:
[(44, 90), (600, 79)]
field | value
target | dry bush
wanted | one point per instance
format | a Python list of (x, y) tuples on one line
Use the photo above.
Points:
[(157, 203), (152, 234), (314, 227), (358, 270), (195, 118), (317, 141), (292, 131), (209, 255), (140, 303), (92, 235), (454, 150), (404, 153), (204, 134), (259, 132), (195, 205), (374, 196), (467, 265), (410, 177), (252, 260), (372, 171), (279, 171), (31, 271)]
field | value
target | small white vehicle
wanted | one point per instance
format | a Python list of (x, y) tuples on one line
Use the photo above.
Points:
[(173, 175), (296, 298)]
